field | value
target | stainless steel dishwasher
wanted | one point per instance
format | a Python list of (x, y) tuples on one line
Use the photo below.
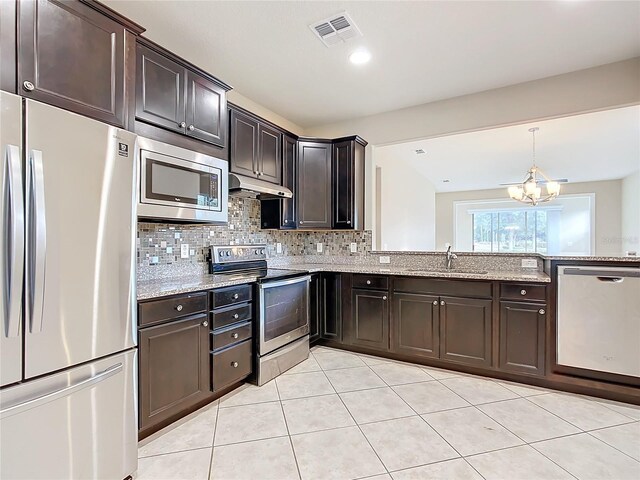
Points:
[(599, 318)]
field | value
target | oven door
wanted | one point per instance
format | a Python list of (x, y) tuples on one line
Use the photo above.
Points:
[(284, 312), (171, 181)]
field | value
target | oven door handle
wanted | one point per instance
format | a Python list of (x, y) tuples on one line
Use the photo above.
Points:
[(288, 281)]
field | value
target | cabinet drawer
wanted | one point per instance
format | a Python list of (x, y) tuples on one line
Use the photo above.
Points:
[(222, 318), (231, 365), (230, 295), (228, 336), (378, 282), (523, 291), (157, 311)]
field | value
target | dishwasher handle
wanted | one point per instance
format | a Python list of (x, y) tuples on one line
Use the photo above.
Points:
[(611, 279), (603, 273)]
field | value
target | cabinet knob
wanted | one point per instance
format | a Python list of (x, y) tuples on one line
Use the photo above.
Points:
[(301, 222), (234, 364), (205, 324), (182, 124), (441, 302), (235, 335), (236, 316), (191, 128), (28, 86), (541, 311), (368, 282), (523, 292), (235, 296), (348, 222), (384, 297), (179, 308), (435, 302)]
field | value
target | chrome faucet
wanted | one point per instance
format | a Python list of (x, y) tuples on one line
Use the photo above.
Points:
[(450, 256)]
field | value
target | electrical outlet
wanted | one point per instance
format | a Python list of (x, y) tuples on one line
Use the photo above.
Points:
[(278, 248), (184, 250), (529, 263), (385, 259), (353, 247), (319, 247)]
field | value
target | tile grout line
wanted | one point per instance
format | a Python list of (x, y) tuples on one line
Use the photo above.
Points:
[(286, 424), (612, 446), (213, 440)]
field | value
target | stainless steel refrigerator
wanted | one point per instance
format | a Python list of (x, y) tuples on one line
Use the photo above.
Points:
[(67, 295)]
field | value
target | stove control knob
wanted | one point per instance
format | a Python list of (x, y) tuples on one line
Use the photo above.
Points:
[(228, 253), (262, 251), (257, 252)]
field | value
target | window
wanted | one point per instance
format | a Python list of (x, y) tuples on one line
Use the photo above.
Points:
[(510, 231)]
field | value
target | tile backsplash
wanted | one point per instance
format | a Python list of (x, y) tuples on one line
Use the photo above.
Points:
[(159, 244)]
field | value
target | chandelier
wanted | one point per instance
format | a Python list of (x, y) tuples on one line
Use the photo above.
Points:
[(530, 190)]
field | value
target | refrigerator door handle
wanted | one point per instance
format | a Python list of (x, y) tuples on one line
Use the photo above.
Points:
[(15, 263), (63, 392), (37, 240)]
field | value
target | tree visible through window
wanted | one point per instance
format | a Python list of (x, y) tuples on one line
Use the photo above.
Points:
[(513, 231)]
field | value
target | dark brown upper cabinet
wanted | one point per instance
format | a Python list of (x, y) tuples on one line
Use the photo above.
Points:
[(256, 147), (313, 188), (8, 46), (348, 183), (280, 213), (174, 95), (76, 55)]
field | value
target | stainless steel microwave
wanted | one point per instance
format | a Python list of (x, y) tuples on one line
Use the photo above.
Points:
[(181, 185)]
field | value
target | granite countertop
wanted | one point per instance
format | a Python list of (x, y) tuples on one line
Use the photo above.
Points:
[(163, 287)]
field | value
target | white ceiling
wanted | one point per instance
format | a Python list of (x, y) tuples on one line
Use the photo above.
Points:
[(422, 51), (590, 147)]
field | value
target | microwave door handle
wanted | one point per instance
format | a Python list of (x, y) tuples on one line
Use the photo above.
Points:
[(12, 191), (37, 241)]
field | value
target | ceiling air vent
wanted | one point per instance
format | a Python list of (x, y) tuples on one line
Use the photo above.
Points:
[(335, 30)]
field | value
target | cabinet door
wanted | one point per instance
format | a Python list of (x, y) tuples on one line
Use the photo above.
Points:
[(269, 154), (331, 317), (289, 156), (243, 153), (370, 317), (174, 368), (416, 325), (73, 57), (206, 114), (522, 344), (160, 90), (314, 185), (315, 312), (342, 171), (465, 330)]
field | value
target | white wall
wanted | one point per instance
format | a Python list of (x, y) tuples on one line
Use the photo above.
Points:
[(597, 88), (407, 207), (607, 222), (254, 107), (631, 213)]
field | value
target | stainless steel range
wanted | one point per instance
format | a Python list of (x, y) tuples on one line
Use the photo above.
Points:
[(283, 306)]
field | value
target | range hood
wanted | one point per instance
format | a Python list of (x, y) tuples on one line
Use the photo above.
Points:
[(241, 186)]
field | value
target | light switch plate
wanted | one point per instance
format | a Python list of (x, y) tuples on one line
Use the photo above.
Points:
[(353, 247), (278, 247), (385, 259), (529, 263), (319, 247), (184, 250)]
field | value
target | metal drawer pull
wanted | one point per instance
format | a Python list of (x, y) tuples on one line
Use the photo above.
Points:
[(441, 302), (234, 364), (235, 335), (235, 296), (236, 316), (368, 282), (179, 308), (435, 302), (205, 324), (191, 128), (523, 292), (384, 297), (182, 124), (541, 311)]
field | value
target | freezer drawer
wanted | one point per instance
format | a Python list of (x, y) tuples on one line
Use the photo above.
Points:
[(598, 319), (77, 424)]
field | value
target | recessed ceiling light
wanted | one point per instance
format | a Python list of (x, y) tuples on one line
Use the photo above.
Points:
[(360, 57)]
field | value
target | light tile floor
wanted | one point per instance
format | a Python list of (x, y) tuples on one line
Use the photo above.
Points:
[(345, 416)]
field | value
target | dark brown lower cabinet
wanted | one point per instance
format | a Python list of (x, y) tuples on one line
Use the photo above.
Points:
[(174, 368), (331, 309), (522, 331), (315, 312), (465, 330), (416, 322), (370, 318), (231, 365)]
